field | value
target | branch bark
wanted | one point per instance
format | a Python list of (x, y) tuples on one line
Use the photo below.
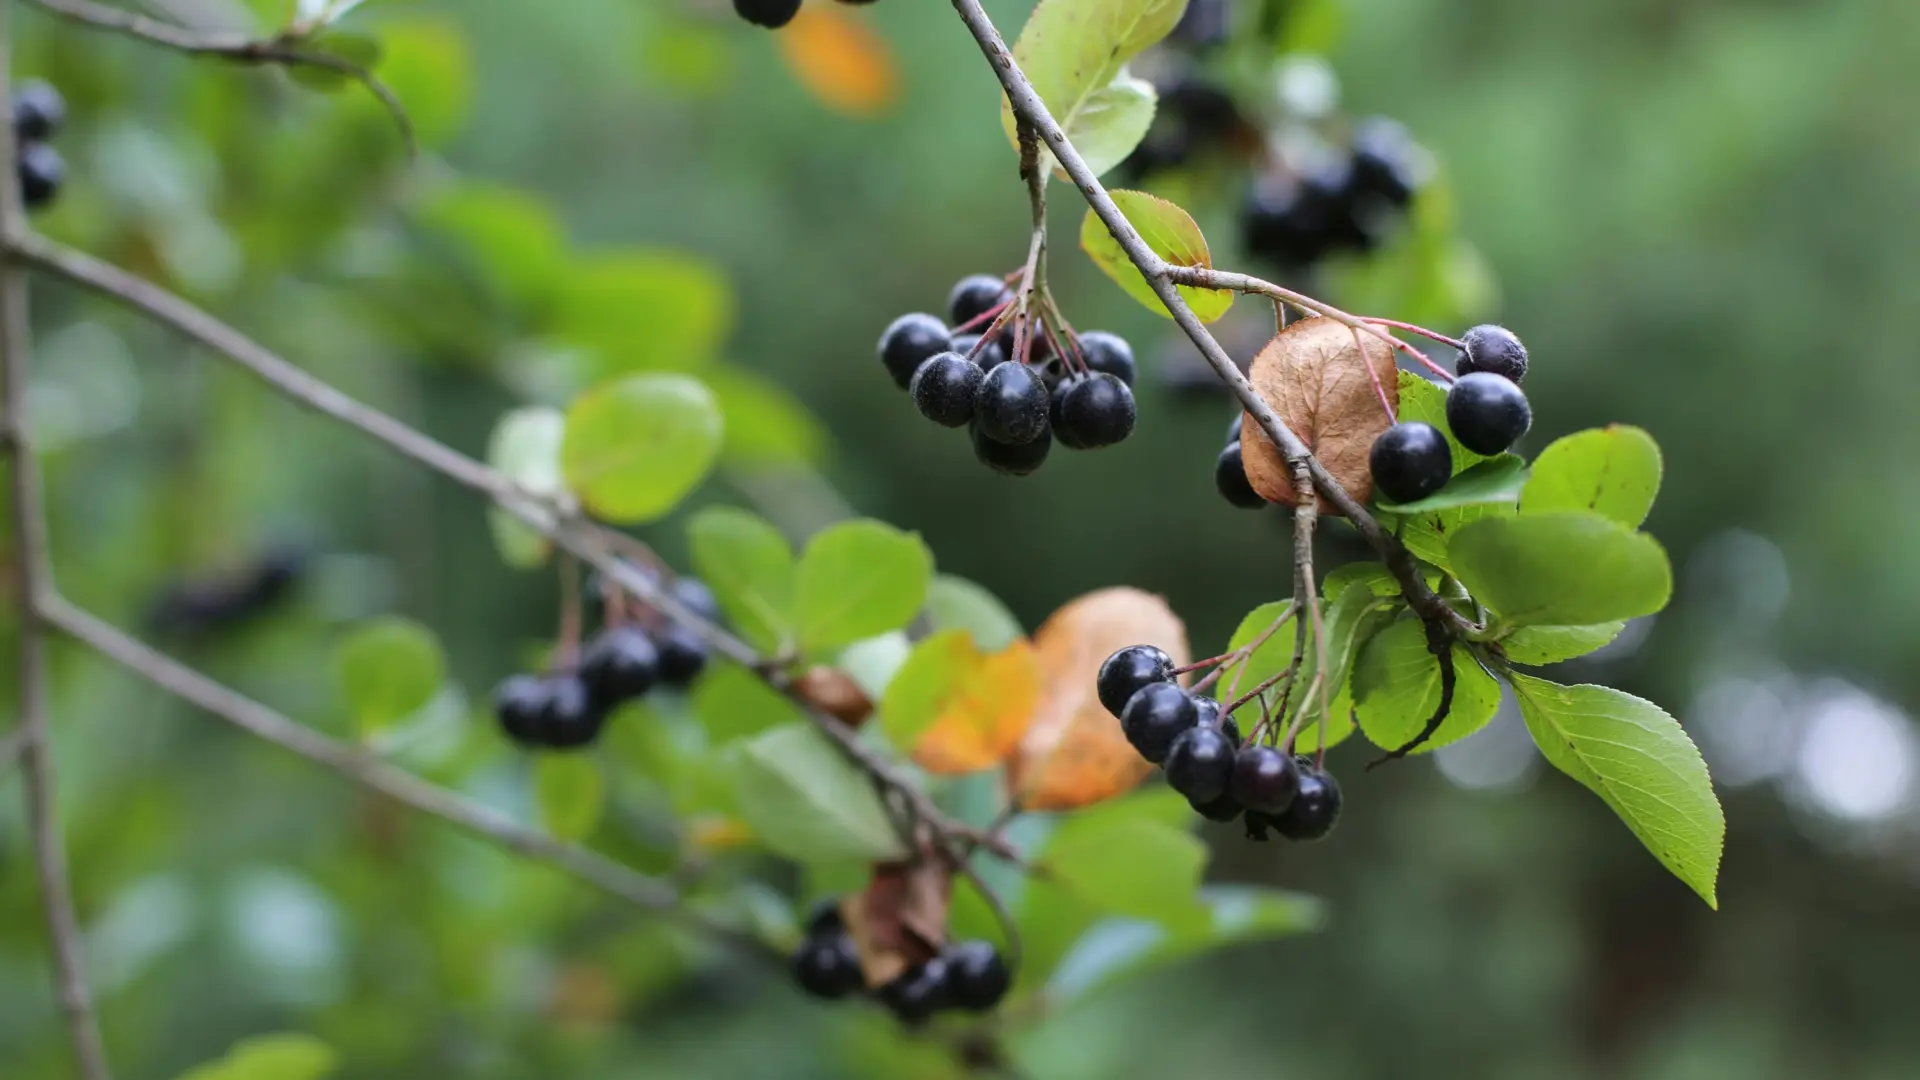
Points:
[(32, 571)]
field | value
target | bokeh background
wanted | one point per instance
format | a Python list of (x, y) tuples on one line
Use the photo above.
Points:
[(1699, 216)]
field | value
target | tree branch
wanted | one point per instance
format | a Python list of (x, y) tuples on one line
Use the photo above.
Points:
[(32, 571)]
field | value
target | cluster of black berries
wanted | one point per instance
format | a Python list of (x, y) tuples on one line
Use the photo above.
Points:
[(968, 976), (1080, 391), (38, 112), (1486, 412), (565, 710), (774, 14), (1230, 472), (1201, 751), (1195, 117), (202, 607), (1350, 205)]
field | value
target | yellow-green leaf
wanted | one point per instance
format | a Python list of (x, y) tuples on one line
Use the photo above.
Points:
[(1172, 234), (636, 446)]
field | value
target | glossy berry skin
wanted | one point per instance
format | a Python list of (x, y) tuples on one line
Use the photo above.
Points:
[(619, 665), (1011, 405), (1264, 780), (38, 111), (1410, 461), (520, 703), (1109, 354), (1206, 710), (1155, 717), (916, 995), (974, 296), (772, 14), (682, 655), (910, 341), (1492, 349), (1011, 460), (977, 978), (42, 171), (1223, 808), (1315, 810), (1487, 412), (572, 718), (1383, 161), (1230, 477), (694, 595), (825, 918), (1126, 672), (827, 967), (1200, 764), (989, 356), (1096, 411), (1056, 397), (945, 387)]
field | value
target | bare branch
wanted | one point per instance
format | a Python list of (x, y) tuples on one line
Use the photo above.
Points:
[(32, 573)]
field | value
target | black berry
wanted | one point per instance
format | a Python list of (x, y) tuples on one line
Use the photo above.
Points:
[(977, 978), (1315, 809), (520, 703), (1383, 155), (919, 993), (1058, 385), (825, 918), (1109, 354), (974, 296), (944, 389), (1096, 411), (694, 595), (1230, 476), (1264, 780), (772, 14), (827, 967), (1487, 412), (572, 718), (682, 655), (1200, 763), (1223, 808), (1493, 349), (1011, 405), (989, 356), (38, 111), (1127, 671), (1155, 716), (1206, 709), (1410, 461), (909, 341), (619, 665), (42, 171), (1019, 459)]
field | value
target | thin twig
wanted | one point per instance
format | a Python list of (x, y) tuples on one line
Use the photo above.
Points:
[(32, 574), (1303, 521)]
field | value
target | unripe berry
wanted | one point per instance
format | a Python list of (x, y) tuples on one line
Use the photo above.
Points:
[(945, 387), (1487, 412), (1493, 349), (1410, 461)]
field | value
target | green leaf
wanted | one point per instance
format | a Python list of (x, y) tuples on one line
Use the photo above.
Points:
[(525, 446), (1612, 471), (389, 668), (360, 50), (750, 568), (1172, 235), (271, 1057), (1350, 623), (1269, 659), (858, 579), (733, 703), (1375, 576), (873, 662), (923, 685), (1552, 644), (571, 793), (765, 424), (1495, 480), (1396, 688), (637, 446), (1424, 400), (1561, 569), (645, 309), (1075, 53), (956, 603), (807, 802), (1428, 533), (512, 238), (428, 67), (1641, 763), (1233, 915)]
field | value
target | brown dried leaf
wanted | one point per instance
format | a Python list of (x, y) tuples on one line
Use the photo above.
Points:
[(899, 921), (834, 692), (1074, 753), (1313, 375), (987, 717)]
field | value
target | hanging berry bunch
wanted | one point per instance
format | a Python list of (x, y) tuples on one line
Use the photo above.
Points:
[(39, 112)]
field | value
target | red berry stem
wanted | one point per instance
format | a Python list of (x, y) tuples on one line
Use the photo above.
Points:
[(992, 313)]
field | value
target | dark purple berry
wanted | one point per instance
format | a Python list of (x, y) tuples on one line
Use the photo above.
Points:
[(974, 296), (42, 171), (1410, 461), (1126, 672), (1315, 809), (1010, 459), (694, 595), (1011, 405), (520, 703), (682, 655), (772, 14), (1058, 385), (945, 387), (1230, 476), (977, 978), (1206, 710), (1155, 716), (988, 356), (1220, 809), (827, 967), (619, 665), (825, 918), (572, 718), (909, 341), (1096, 411), (1383, 161), (38, 111), (1200, 763), (919, 993), (1264, 780), (1109, 354), (1492, 349), (1487, 412)]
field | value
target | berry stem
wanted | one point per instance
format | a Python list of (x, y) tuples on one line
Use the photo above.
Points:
[(1380, 392), (991, 314), (1416, 328), (1303, 523), (568, 647)]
